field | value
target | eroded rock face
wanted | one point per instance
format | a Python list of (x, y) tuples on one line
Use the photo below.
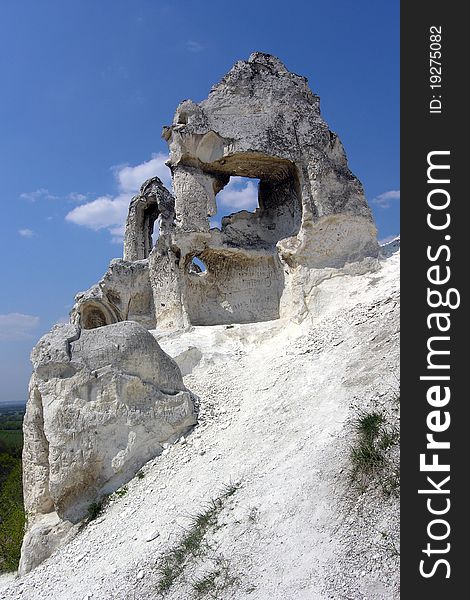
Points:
[(260, 121), (104, 396), (264, 122), (154, 204), (123, 294), (102, 402)]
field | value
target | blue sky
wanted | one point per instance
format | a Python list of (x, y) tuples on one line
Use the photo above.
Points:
[(86, 88)]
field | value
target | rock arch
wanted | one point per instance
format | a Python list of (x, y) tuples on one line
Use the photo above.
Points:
[(261, 121), (153, 202), (94, 314)]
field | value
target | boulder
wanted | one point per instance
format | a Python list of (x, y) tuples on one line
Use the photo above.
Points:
[(101, 404)]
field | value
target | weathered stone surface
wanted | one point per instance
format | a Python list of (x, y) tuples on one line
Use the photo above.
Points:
[(42, 539), (102, 402), (104, 397), (260, 121), (154, 204), (123, 294), (264, 122)]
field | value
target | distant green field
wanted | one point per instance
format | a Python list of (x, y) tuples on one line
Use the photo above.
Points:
[(12, 437), (11, 434), (12, 516)]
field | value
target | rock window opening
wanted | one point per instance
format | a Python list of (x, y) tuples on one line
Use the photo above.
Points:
[(150, 225), (197, 266), (240, 194), (260, 208), (92, 318), (156, 230)]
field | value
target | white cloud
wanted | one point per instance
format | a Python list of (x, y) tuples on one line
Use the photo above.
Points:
[(239, 194), (385, 200), (45, 194), (117, 233), (193, 46), (39, 194), (131, 178), (110, 212), (16, 326), (75, 197), (27, 233), (105, 211)]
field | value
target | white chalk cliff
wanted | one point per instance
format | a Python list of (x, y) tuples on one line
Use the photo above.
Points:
[(249, 373)]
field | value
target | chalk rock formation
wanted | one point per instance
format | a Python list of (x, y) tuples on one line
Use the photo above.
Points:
[(261, 121), (102, 402), (124, 293), (153, 204), (104, 396)]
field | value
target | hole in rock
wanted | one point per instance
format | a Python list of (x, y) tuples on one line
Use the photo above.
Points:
[(241, 193), (156, 229), (197, 266), (182, 118), (93, 317), (151, 227), (259, 205)]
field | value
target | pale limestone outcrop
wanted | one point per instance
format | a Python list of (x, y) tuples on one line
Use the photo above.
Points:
[(102, 402), (154, 204), (103, 396), (123, 294), (260, 121), (264, 122)]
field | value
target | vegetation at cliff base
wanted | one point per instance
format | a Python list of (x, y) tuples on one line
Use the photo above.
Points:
[(12, 517)]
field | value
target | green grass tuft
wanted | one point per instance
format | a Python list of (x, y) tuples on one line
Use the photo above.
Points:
[(369, 454), (207, 583), (215, 582), (388, 439), (121, 491), (368, 425), (94, 510), (366, 457), (192, 544)]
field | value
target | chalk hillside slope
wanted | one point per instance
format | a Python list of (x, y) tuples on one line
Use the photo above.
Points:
[(278, 404)]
